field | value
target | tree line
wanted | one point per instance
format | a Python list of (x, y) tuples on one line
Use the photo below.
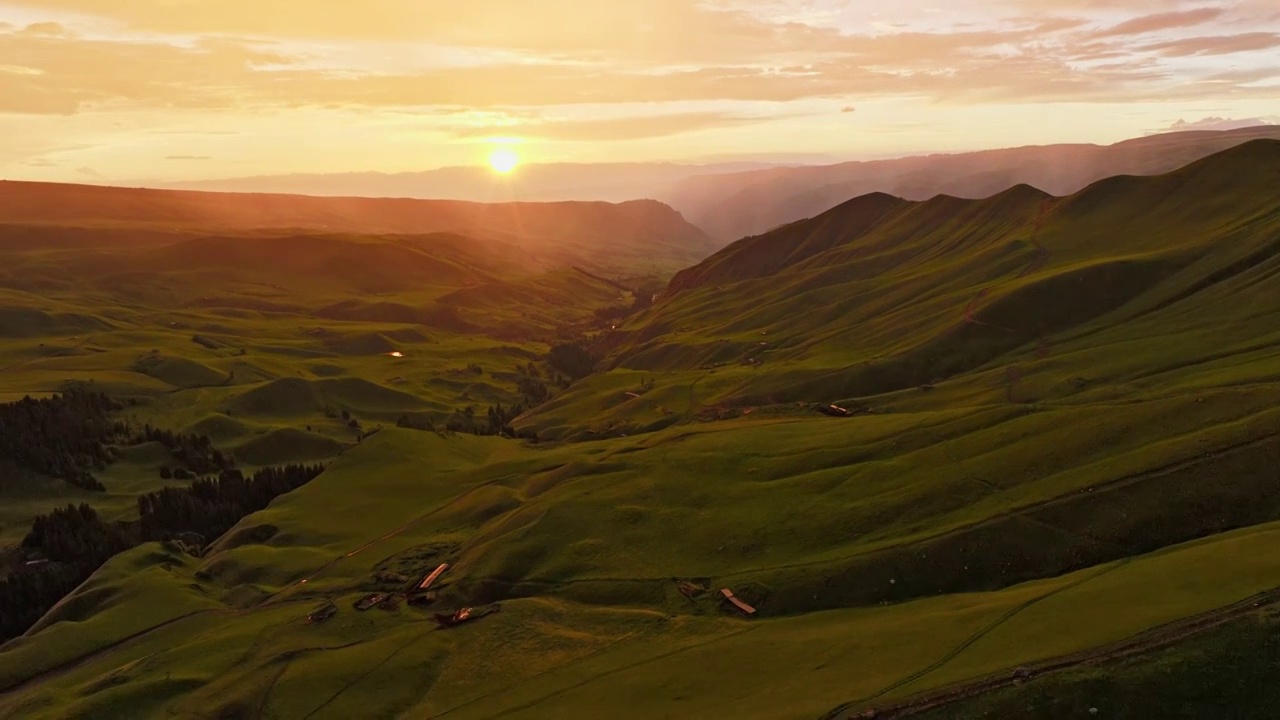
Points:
[(496, 420), (193, 453), (69, 436), (212, 506), (72, 436), (74, 541)]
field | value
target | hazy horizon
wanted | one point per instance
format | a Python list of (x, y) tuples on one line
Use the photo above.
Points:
[(161, 92)]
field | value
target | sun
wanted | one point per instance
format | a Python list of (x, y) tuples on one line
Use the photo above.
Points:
[(503, 160)]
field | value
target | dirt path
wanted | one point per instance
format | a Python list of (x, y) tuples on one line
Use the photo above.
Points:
[(1147, 641)]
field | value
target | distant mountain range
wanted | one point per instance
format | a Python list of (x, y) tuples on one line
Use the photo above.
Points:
[(734, 205), (609, 182), (637, 236), (730, 200), (882, 294)]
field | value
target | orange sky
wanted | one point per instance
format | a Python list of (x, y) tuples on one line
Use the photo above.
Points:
[(129, 90)]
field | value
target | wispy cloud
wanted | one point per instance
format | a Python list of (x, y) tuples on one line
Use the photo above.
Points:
[(1217, 44), (1163, 21), (51, 29), (1216, 123), (612, 129), (193, 64)]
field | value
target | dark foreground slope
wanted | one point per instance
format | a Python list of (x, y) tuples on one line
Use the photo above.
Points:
[(730, 206), (1094, 460)]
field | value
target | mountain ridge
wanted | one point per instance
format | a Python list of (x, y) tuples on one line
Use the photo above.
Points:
[(735, 205), (943, 287), (646, 233)]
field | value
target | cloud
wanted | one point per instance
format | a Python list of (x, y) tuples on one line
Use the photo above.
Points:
[(1163, 21), (1214, 123), (661, 51), (51, 29), (656, 30), (19, 70), (89, 172), (187, 157), (211, 133), (848, 109), (40, 163), (63, 74), (611, 129), (1217, 44)]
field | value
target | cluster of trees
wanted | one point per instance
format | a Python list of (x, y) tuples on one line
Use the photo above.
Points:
[(534, 391), (210, 507), (416, 422), (497, 421), (573, 360), (76, 542), (194, 453), (26, 595), (611, 313), (68, 436), (77, 536), (72, 435), (567, 360), (642, 299)]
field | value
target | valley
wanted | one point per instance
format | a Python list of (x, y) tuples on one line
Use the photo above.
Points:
[(1053, 485)]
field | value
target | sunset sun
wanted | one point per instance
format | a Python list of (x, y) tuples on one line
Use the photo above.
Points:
[(503, 160)]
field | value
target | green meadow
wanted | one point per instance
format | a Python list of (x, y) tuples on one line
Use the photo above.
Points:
[(1064, 433)]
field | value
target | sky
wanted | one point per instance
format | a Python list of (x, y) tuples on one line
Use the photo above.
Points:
[(173, 90)]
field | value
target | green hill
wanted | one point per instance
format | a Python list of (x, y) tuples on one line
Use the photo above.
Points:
[(288, 397), (1060, 452), (881, 295), (286, 445), (22, 322)]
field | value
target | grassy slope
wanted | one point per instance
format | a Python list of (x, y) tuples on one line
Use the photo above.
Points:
[(287, 333), (1232, 667), (550, 654), (1120, 479), (1014, 297)]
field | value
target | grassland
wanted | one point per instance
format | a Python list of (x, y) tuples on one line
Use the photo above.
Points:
[(1094, 454)]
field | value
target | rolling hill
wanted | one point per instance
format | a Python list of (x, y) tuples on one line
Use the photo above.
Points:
[(637, 235), (1060, 450), (880, 294), (734, 205)]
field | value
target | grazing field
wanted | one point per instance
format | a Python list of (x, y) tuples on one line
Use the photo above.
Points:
[(1058, 433)]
